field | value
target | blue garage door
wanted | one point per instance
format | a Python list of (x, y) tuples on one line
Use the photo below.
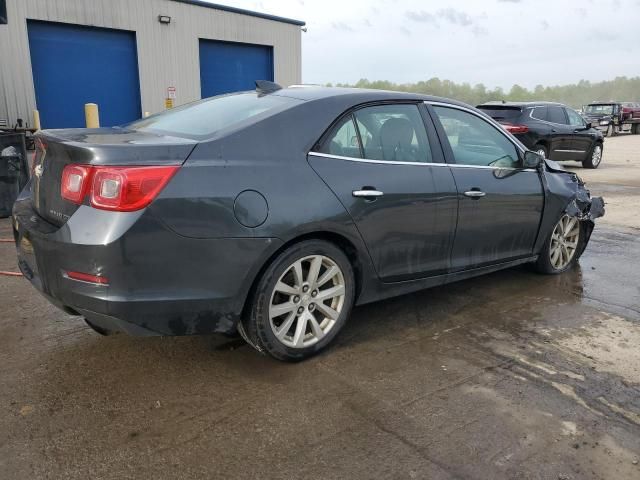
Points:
[(231, 67), (73, 65)]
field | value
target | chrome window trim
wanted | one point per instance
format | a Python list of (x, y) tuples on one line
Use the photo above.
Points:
[(424, 164), (571, 151)]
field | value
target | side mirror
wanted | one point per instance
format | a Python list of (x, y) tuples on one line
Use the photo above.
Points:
[(589, 125), (532, 159)]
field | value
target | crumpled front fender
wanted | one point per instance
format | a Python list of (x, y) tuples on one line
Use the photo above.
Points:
[(566, 193)]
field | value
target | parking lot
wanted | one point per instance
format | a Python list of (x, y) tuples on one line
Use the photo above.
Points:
[(510, 375)]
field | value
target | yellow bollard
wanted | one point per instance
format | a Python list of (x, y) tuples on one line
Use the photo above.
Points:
[(92, 116), (36, 119)]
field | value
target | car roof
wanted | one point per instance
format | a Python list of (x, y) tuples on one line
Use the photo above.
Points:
[(359, 95), (497, 103)]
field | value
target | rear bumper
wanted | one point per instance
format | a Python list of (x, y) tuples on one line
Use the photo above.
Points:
[(160, 283)]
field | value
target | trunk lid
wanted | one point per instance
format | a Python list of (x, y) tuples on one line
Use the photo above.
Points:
[(56, 149)]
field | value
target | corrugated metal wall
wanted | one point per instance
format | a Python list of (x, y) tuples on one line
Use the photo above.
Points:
[(167, 54)]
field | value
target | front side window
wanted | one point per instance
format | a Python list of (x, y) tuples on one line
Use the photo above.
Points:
[(556, 115), (475, 141), (575, 120), (393, 133)]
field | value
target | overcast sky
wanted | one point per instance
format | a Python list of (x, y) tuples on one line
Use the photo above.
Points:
[(495, 42)]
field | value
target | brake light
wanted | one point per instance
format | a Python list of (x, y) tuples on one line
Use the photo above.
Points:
[(509, 127), (75, 182), (126, 189), (122, 189)]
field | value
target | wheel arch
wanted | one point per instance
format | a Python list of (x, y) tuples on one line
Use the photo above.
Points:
[(339, 240), (543, 142)]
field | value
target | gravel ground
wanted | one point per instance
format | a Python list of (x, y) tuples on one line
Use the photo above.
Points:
[(511, 375)]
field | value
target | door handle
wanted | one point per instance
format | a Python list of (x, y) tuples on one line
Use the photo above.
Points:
[(367, 193), (553, 130), (474, 194)]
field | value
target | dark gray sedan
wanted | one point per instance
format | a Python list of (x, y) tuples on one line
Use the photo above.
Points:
[(273, 212)]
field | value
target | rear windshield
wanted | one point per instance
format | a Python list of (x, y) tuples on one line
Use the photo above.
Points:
[(501, 113), (204, 118)]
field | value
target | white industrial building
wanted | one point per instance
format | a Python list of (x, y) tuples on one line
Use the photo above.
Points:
[(134, 56)]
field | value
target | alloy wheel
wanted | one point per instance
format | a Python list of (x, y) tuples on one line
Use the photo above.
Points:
[(596, 156), (306, 301), (564, 242)]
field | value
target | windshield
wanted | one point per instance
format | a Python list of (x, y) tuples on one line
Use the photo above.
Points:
[(204, 118), (599, 109)]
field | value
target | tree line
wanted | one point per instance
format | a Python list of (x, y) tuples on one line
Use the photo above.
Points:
[(575, 95)]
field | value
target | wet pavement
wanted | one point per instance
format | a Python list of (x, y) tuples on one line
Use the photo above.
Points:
[(510, 375)]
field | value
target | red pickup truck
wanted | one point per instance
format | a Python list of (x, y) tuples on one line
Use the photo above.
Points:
[(613, 117)]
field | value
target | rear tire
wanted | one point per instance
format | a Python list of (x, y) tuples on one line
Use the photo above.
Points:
[(594, 159), (562, 248), (301, 302)]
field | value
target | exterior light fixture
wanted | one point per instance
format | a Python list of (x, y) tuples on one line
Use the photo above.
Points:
[(164, 19)]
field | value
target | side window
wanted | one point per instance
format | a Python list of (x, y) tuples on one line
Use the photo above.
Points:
[(475, 141), (539, 113), (556, 115), (575, 120), (393, 133), (343, 140)]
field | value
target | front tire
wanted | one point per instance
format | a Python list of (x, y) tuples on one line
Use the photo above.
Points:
[(610, 131), (562, 249), (595, 157), (301, 302)]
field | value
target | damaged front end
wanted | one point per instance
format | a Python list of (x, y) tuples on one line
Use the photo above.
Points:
[(566, 193)]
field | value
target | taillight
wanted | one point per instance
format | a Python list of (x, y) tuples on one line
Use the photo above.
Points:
[(75, 182), (515, 128), (122, 189)]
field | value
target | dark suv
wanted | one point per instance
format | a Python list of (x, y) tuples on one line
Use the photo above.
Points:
[(551, 129)]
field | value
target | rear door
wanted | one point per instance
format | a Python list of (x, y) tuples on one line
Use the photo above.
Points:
[(388, 171), (500, 203)]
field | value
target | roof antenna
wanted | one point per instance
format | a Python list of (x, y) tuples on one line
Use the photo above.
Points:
[(264, 87)]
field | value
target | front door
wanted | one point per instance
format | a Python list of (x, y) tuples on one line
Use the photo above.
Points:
[(582, 138), (500, 203), (561, 134), (380, 163)]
